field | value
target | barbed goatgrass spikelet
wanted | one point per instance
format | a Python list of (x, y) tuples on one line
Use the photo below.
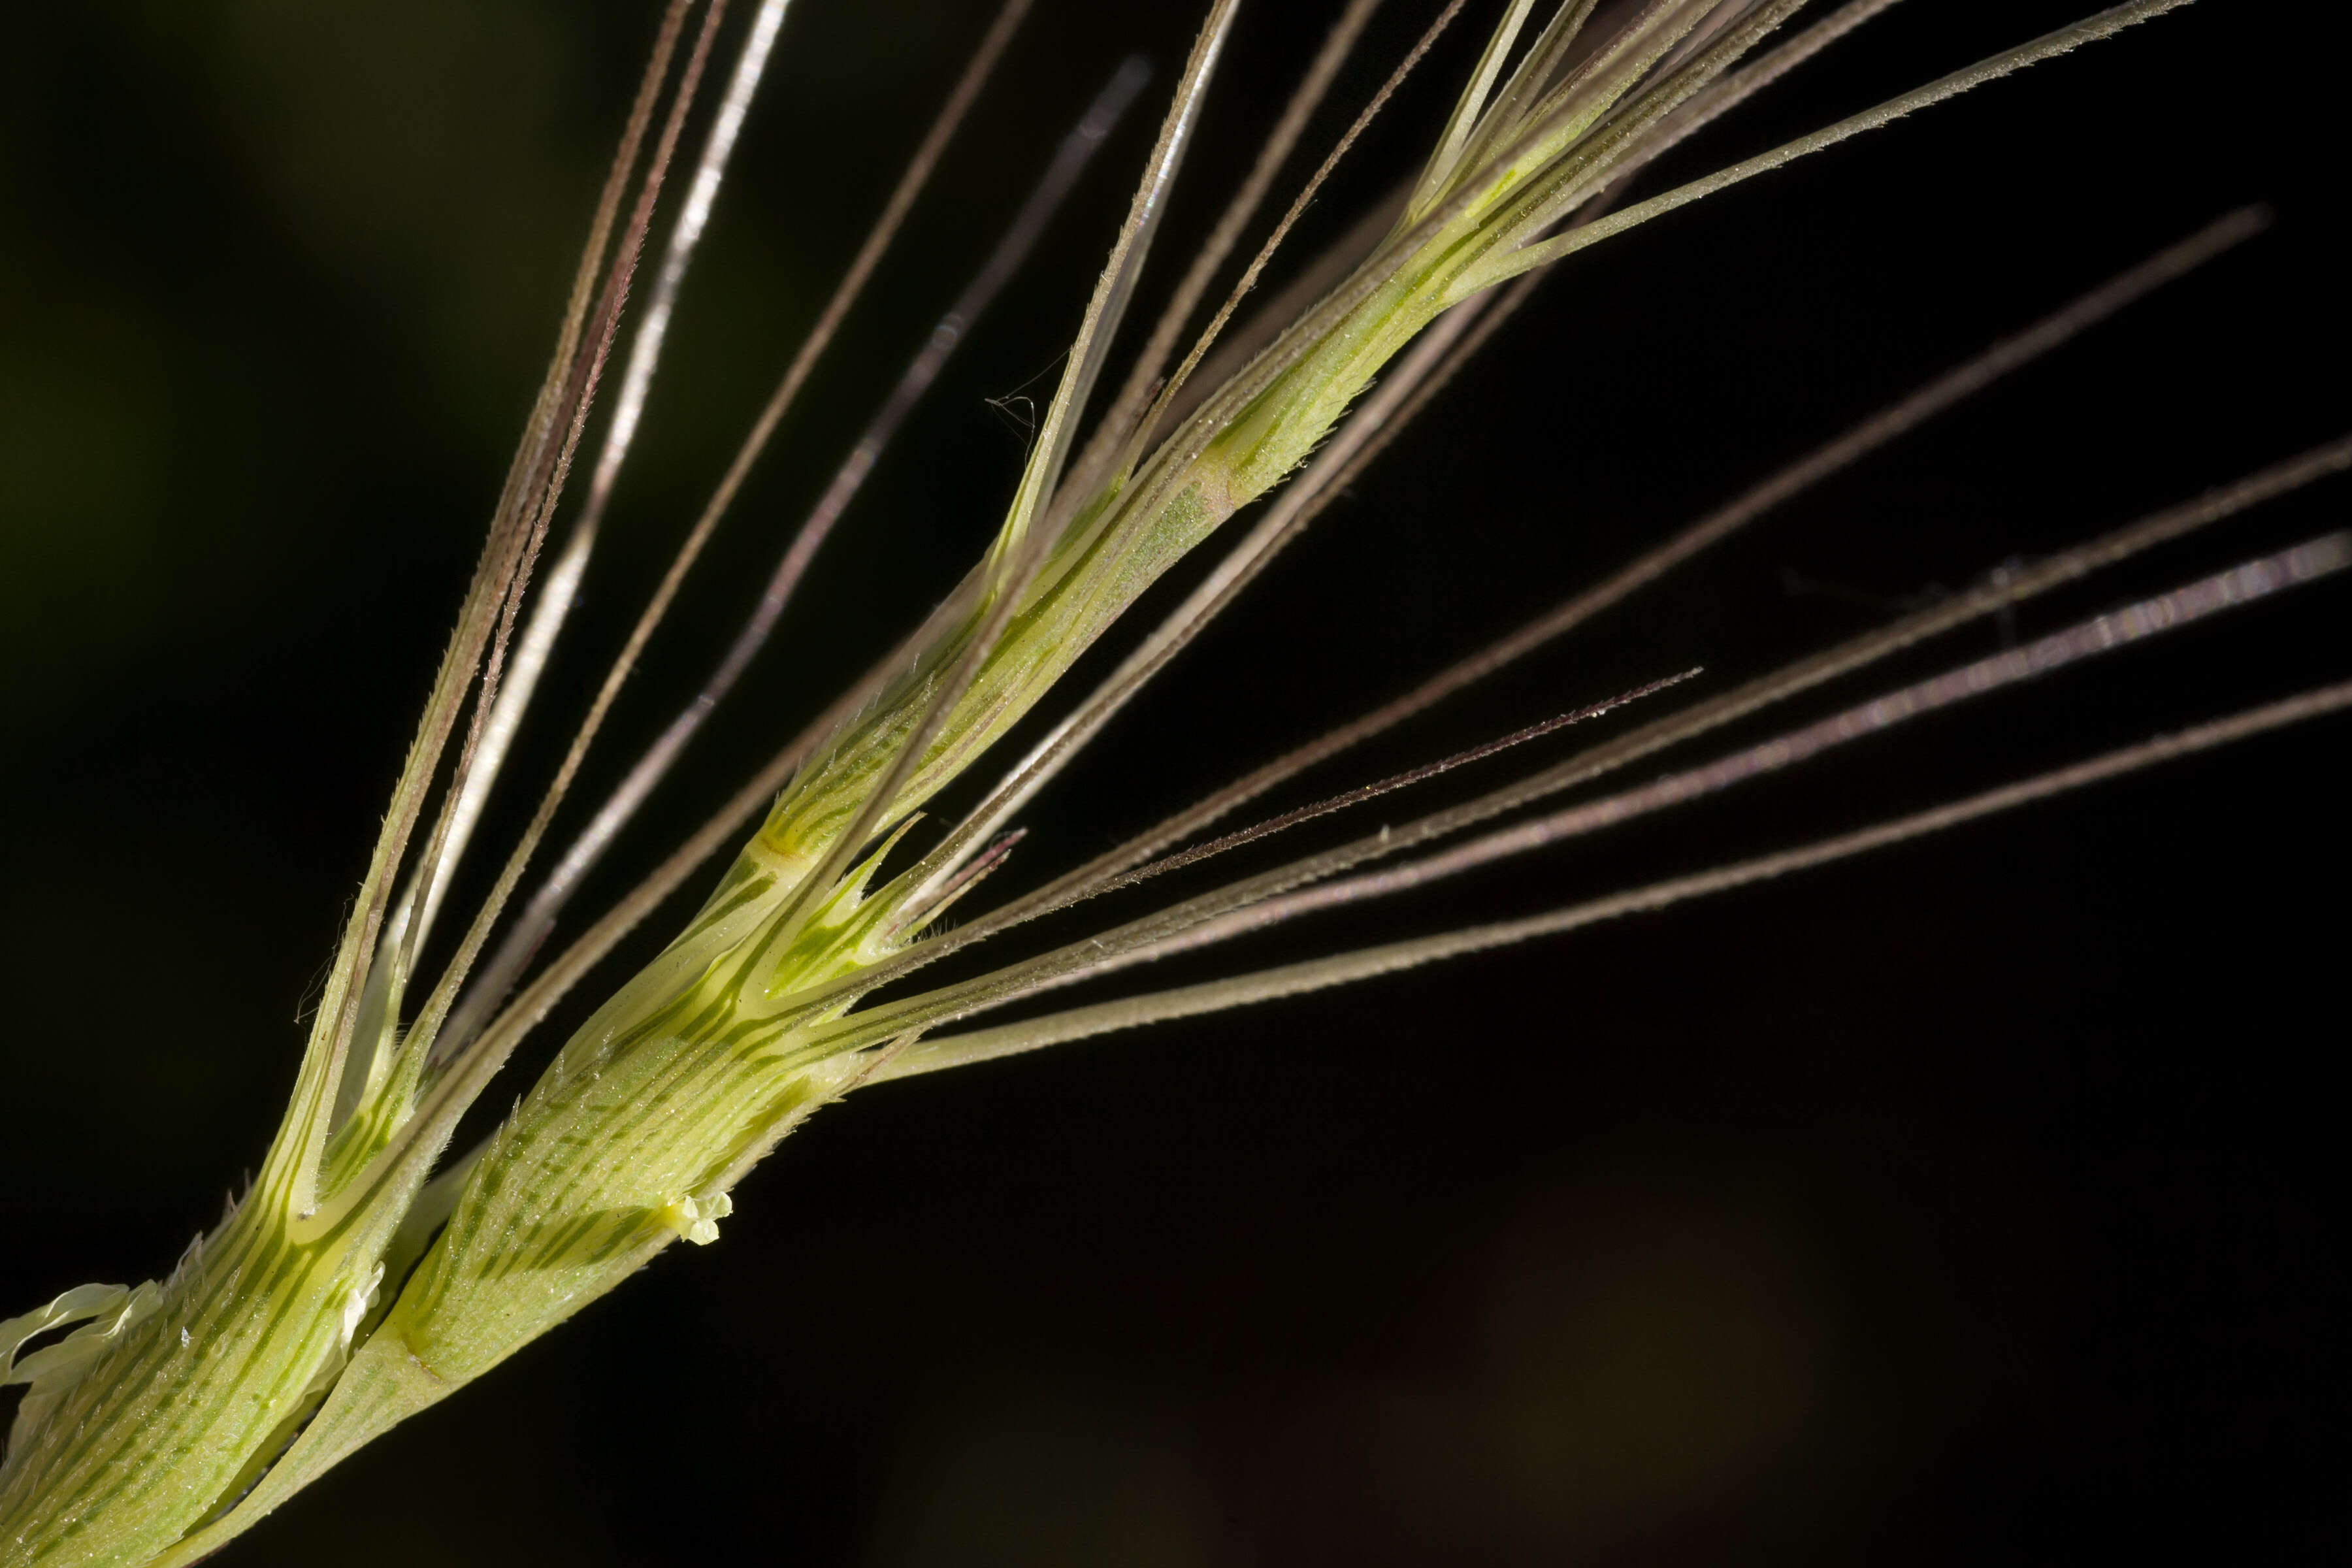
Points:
[(355, 1285)]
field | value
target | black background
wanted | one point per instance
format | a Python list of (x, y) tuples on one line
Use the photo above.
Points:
[(1966, 1201)]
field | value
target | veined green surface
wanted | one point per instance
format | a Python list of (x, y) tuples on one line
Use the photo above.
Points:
[(175, 1419)]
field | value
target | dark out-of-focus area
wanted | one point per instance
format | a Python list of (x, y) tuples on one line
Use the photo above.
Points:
[(1968, 1201)]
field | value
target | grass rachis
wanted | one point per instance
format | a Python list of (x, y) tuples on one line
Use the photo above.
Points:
[(1547, 458)]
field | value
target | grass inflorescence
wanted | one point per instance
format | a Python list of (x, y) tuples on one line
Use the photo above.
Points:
[(376, 1264)]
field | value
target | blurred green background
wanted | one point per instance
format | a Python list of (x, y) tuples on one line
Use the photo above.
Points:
[(1969, 1201)]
